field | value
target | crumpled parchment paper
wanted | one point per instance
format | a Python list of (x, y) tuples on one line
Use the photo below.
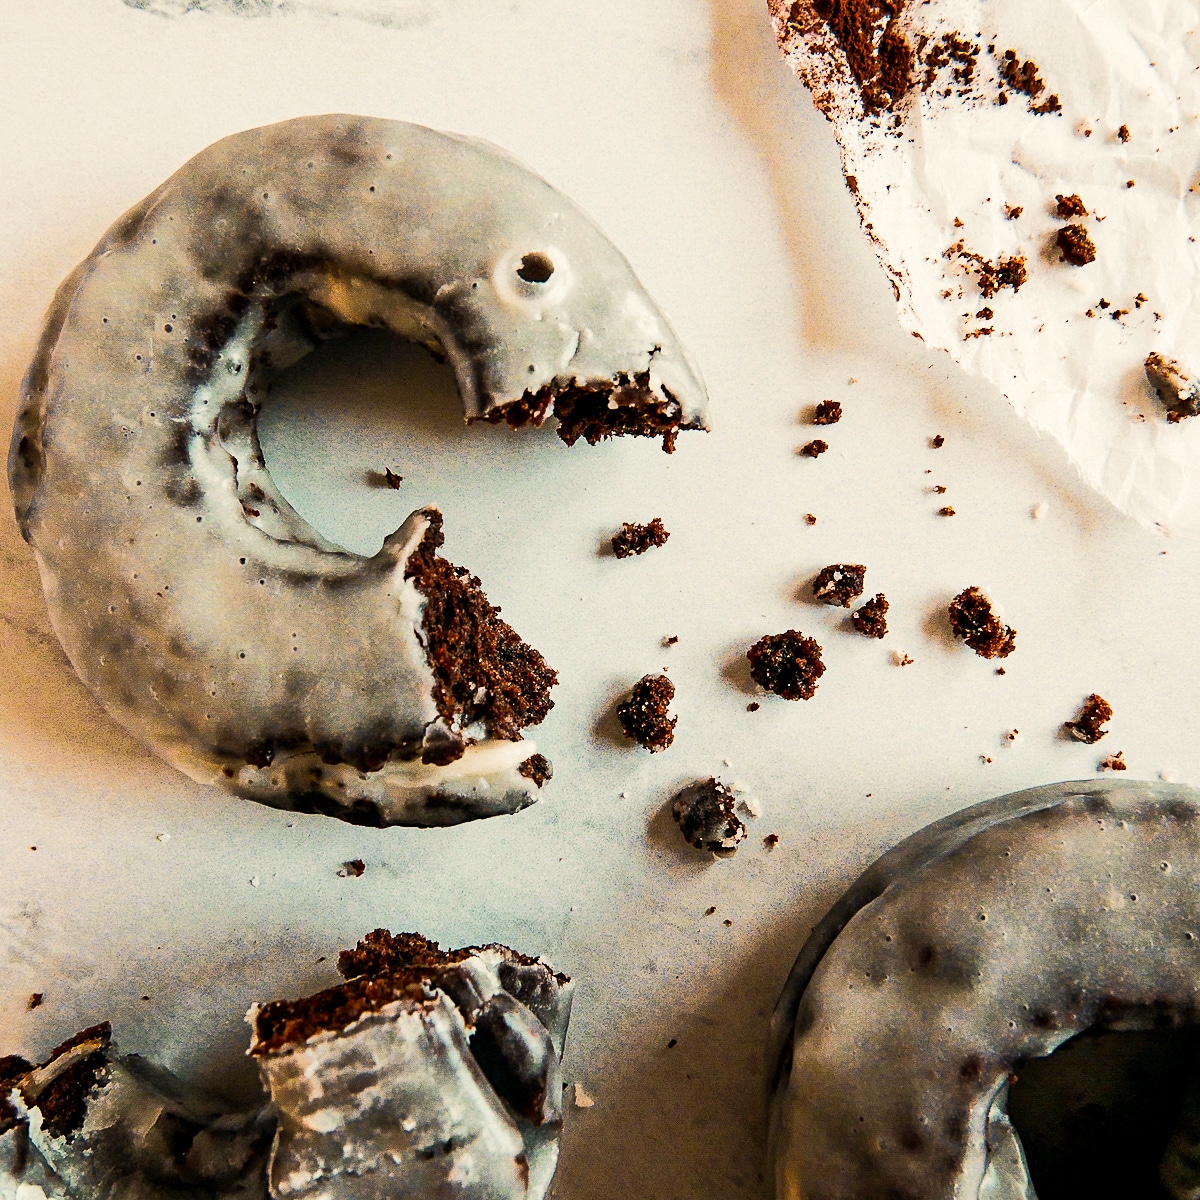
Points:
[(940, 170)]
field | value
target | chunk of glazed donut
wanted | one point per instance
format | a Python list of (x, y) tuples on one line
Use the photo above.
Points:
[(985, 940), (204, 613)]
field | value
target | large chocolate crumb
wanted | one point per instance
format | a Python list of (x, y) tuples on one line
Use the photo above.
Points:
[(381, 952), (537, 767), (876, 50), (1076, 246), (788, 664), (483, 672), (637, 539), (828, 412), (839, 583), (1086, 727), (1176, 387), (644, 715), (871, 619), (1066, 207), (972, 619), (704, 812), (63, 1101)]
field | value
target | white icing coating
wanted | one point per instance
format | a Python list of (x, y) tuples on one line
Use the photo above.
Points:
[(199, 607), (989, 938)]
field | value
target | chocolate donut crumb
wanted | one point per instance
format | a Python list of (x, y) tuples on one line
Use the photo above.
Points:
[(1076, 246), (828, 412), (704, 812), (1175, 386), (1069, 206), (972, 620), (871, 619), (536, 767), (839, 584), (1086, 727), (644, 715), (1114, 762), (788, 664), (813, 449), (352, 870), (637, 539)]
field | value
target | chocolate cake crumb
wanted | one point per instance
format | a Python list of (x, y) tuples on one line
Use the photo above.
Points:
[(771, 841), (727, 922), (937, 442), (352, 870), (1114, 762), (382, 952), (670, 641), (704, 812), (1123, 134), (946, 511), (972, 619), (753, 706), (938, 489), (1076, 247), (984, 314), (1067, 207), (672, 1043), (871, 619), (813, 449), (1086, 727), (788, 664), (828, 412), (992, 276), (637, 539), (536, 767), (63, 1102), (1013, 211), (644, 715), (1021, 76), (1130, 183), (1001, 671), (392, 479), (901, 659), (483, 672), (809, 519), (1176, 387), (35, 1000), (839, 584), (712, 908)]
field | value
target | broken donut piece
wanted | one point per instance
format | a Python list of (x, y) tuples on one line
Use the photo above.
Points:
[(972, 620), (644, 716)]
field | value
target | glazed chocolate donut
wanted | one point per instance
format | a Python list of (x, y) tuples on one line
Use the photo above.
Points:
[(985, 940), (208, 617)]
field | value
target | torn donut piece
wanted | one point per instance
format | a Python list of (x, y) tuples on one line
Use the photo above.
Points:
[(206, 615), (428, 1073), (957, 963)]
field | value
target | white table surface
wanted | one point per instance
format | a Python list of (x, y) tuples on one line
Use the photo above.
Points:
[(677, 126)]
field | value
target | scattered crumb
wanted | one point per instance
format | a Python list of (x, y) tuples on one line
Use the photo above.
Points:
[(788, 664), (1130, 183), (708, 912), (1038, 511), (839, 584), (1123, 134), (946, 511), (972, 619), (983, 758), (938, 489), (771, 841), (704, 812), (35, 1000), (670, 641), (901, 659), (582, 1099), (392, 479), (727, 922), (672, 1043), (937, 442), (828, 412), (1075, 245), (538, 768), (637, 539), (352, 869), (1175, 386), (1013, 211), (984, 314), (1114, 762), (753, 706), (1012, 735), (1069, 206), (1001, 671), (809, 519), (813, 449), (644, 715), (991, 276), (871, 619), (1086, 726)]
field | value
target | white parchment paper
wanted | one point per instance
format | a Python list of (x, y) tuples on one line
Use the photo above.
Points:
[(951, 163)]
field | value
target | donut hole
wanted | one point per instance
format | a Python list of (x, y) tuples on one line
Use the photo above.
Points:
[(535, 268), (1095, 1118)]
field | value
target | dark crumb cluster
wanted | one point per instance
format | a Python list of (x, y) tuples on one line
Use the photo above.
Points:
[(937, 442), (1066, 207), (637, 539), (1175, 386), (972, 619), (839, 583), (1022, 77), (1075, 246), (871, 619), (788, 664), (483, 672), (536, 767), (828, 412), (704, 812), (63, 1102), (1114, 762), (991, 276), (813, 449), (1086, 727), (353, 869), (644, 715)]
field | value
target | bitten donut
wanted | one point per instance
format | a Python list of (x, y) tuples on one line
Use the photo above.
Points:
[(208, 617), (987, 939)]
